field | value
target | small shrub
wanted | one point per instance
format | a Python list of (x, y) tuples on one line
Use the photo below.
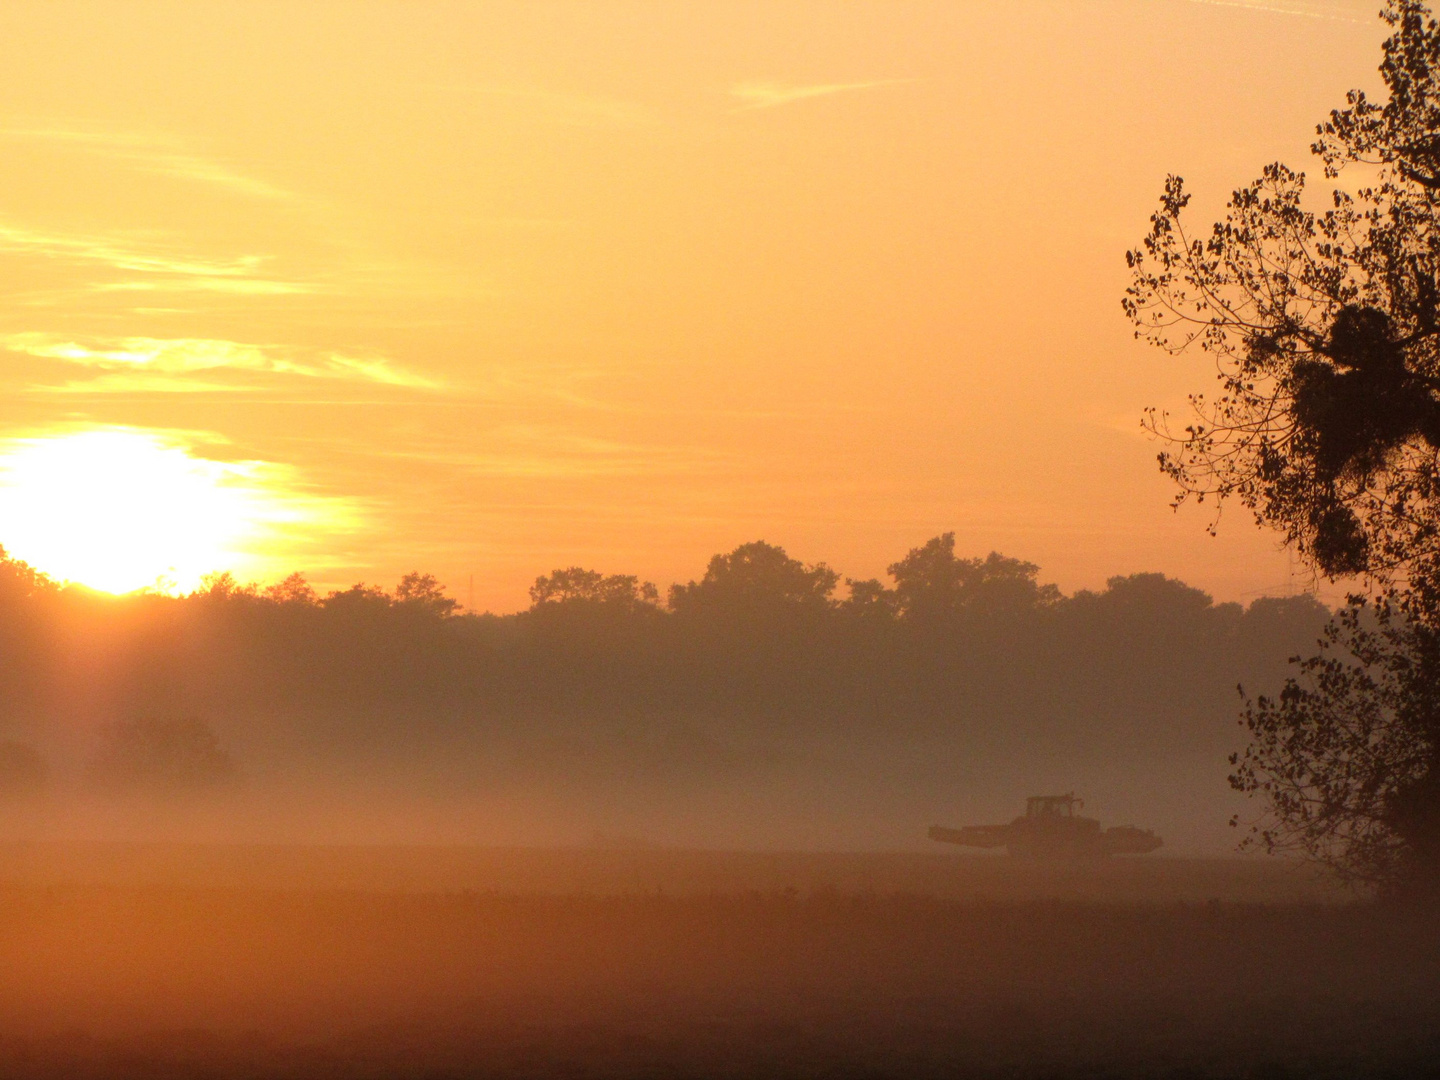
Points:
[(158, 755)]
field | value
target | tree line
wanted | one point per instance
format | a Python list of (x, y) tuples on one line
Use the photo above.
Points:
[(972, 651)]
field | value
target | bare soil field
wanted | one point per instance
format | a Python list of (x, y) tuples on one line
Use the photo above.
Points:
[(166, 961)]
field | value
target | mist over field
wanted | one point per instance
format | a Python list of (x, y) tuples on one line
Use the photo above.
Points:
[(259, 831), (765, 705)]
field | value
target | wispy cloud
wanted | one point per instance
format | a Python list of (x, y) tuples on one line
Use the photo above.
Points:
[(533, 451), (118, 253), (1307, 9), (119, 383), (153, 154), (200, 283), (166, 271), (159, 361), (768, 95)]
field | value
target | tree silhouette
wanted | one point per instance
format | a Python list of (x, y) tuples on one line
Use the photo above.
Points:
[(19, 580), (757, 578), (357, 599), (293, 590), (578, 586), (422, 592), (931, 583), (595, 677), (157, 755), (869, 599), (1346, 753), (1325, 326)]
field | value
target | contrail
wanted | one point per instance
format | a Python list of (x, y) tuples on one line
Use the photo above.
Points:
[(1255, 5)]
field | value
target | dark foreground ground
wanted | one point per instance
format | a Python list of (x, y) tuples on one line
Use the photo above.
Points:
[(170, 962)]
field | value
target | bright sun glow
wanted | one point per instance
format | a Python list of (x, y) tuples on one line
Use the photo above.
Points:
[(121, 509)]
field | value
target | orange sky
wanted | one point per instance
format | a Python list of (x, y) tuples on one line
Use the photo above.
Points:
[(493, 288)]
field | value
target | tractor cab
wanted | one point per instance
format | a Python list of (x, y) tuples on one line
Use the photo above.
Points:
[(1052, 806)]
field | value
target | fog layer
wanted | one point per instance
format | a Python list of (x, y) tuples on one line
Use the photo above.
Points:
[(763, 704)]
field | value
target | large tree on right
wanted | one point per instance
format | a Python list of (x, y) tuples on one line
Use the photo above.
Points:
[(1324, 324)]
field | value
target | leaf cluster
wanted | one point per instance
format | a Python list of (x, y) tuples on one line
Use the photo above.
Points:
[(1346, 755), (1324, 327)]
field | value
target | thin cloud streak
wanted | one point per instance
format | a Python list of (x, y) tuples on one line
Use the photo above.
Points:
[(529, 451), (536, 450), (169, 357), (236, 286), (137, 384), (769, 95), (119, 254), (168, 272), (1304, 11), (153, 155)]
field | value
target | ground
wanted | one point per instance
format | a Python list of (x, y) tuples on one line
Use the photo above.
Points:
[(128, 961)]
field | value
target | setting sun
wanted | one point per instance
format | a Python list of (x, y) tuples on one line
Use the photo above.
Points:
[(120, 509)]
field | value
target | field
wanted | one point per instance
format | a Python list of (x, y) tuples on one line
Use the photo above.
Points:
[(126, 960)]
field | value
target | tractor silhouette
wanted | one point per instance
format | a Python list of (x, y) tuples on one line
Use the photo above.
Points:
[(1051, 829)]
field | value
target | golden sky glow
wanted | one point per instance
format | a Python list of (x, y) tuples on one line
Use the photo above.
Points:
[(620, 284)]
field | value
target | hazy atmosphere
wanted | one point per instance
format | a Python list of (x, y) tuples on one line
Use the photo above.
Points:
[(719, 539), (754, 711)]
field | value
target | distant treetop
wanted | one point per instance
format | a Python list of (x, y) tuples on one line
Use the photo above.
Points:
[(578, 586), (932, 583), (757, 577)]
